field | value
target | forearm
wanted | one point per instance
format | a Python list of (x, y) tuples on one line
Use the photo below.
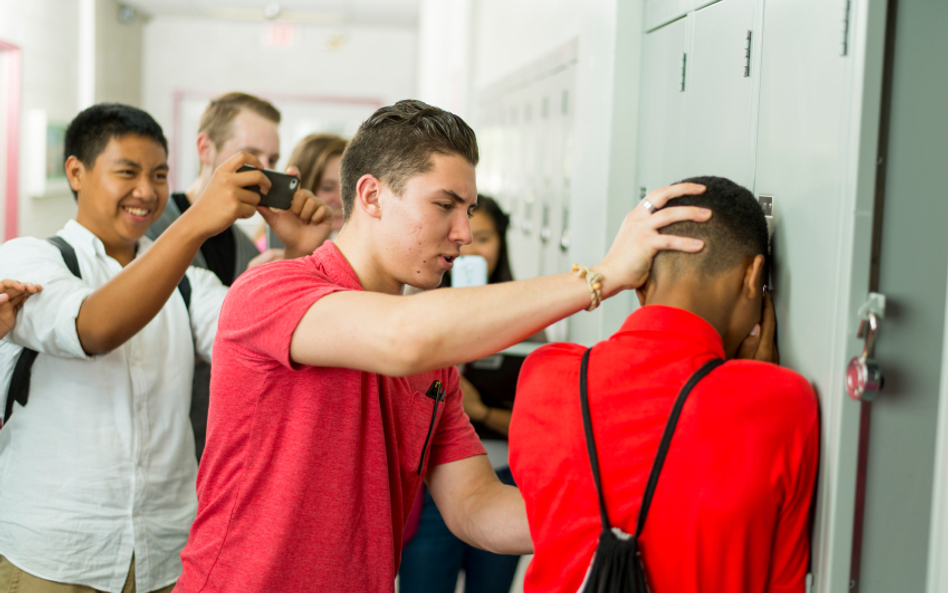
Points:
[(449, 327), (495, 520), (497, 419), (124, 305)]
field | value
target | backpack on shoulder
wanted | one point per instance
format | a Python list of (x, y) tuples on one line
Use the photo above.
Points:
[(618, 565), (19, 390)]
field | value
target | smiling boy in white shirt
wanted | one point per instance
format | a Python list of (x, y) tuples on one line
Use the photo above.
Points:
[(97, 472)]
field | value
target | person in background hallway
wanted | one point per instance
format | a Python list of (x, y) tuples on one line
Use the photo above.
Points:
[(335, 397), (97, 488), (231, 123), (433, 558), (12, 296), (318, 157), (731, 509)]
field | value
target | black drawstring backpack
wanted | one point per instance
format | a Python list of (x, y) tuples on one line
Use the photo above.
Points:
[(617, 566)]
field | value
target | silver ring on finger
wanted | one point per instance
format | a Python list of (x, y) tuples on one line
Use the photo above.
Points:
[(649, 207)]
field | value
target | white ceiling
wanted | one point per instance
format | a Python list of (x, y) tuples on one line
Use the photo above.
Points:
[(399, 13)]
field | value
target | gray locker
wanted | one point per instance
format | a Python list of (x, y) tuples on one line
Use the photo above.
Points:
[(801, 123), (720, 83), (662, 105)]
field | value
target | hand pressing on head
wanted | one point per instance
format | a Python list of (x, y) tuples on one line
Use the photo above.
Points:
[(761, 344), (305, 226), (12, 296), (629, 261)]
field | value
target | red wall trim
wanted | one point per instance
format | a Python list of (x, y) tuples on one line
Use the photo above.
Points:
[(14, 85)]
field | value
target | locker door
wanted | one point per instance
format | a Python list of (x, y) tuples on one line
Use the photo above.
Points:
[(802, 162), (533, 149), (718, 135), (662, 106), (554, 234)]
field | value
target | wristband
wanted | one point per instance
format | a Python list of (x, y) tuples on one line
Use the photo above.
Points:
[(594, 282)]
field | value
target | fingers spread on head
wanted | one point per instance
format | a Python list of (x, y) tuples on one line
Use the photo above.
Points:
[(660, 197), (676, 243), (663, 218)]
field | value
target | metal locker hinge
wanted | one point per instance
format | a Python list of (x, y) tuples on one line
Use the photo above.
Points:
[(747, 55), (684, 67), (847, 10), (864, 376)]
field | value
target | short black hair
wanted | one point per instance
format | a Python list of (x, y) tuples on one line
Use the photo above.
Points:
[(737, 229), (91, 131)]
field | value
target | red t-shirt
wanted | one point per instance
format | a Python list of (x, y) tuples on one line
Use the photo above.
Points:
[(309, 472), (730, 512)]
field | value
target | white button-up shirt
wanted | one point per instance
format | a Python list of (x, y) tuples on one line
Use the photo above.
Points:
[(100, 463)]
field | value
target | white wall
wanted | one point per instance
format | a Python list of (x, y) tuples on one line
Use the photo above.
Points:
[(199, 57), (118, 55), (46, 32), (507, 37)]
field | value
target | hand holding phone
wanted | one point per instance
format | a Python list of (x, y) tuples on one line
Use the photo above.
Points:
[(282, 188)]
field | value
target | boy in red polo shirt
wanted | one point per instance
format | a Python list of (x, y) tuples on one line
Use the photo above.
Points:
[(730, 512), (332, 397)]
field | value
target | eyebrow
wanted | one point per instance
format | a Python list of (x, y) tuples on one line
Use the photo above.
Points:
[(133, 164), (456, 197), (253, 149), (127, 163)]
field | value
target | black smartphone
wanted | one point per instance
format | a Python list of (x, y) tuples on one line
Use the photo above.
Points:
[(282, 188)]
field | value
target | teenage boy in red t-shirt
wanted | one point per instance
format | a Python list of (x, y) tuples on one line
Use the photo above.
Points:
[(333, 397), (730, 512)]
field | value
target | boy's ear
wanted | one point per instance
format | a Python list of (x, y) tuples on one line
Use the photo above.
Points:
[(753, 276), (75, 170), (645, 291), (205, 149), (368, 192)]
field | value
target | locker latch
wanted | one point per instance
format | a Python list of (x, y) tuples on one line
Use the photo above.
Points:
[(864, 376)]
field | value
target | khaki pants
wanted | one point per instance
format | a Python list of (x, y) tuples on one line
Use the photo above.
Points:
[(14, 580)]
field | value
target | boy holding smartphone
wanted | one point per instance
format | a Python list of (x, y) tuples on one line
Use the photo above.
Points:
[(97, 491), (232, 123)]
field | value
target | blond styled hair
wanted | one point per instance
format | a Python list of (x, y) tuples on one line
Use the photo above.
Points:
[(311, 155), (217, 118)]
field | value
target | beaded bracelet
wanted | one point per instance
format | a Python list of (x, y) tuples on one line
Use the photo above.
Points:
[(594, 281)]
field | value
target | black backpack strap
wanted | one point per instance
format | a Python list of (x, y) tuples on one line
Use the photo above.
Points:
[(69, 254), (20, 382), (19, 390), (184, 287), (662, 447), (666, 440), (590, 441)]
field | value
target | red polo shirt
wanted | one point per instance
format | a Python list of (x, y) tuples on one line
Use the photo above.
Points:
[(309, 472), (730, 512)]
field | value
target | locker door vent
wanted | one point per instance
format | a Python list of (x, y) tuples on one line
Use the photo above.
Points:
[(847, 9), (747, 55), (684, 67)]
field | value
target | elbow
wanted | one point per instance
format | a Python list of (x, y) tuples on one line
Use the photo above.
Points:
[(98, 341), (412, 351)]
